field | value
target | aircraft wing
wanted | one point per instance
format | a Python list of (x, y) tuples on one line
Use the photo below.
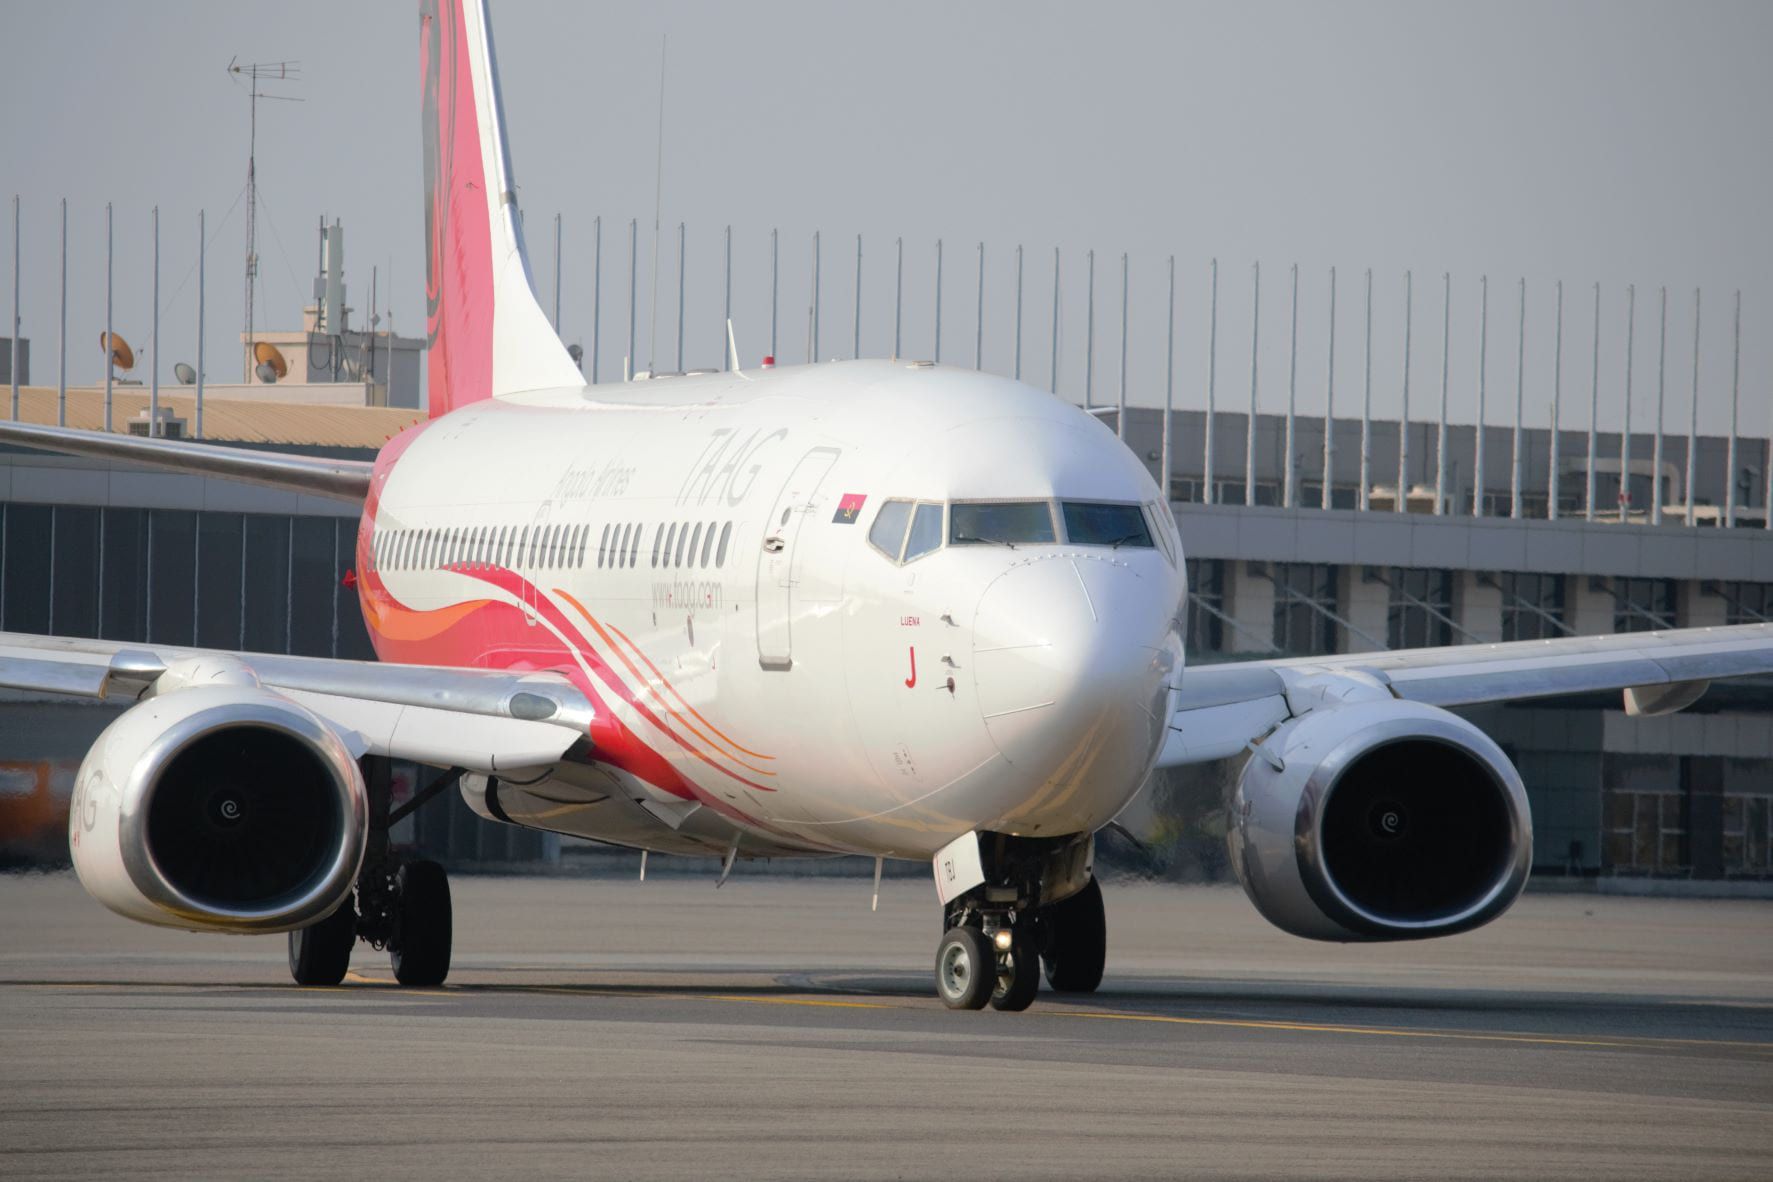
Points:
[(1224, 707), (481, 720), (345, 479)]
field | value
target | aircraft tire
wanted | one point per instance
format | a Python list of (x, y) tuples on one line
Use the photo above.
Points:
[(320, 953), (421, 956), (966, 969), (1016, 989), (1076, 941)]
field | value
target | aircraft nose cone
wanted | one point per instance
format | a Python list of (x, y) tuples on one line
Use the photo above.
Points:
[(1072, 656)]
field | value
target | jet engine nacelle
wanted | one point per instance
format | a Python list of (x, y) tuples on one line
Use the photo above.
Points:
[(1380, 820), (219, 808)]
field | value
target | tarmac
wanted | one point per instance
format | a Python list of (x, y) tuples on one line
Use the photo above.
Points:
[(782, 1029)]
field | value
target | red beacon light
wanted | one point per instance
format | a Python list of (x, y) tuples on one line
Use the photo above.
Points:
[(769, 362)]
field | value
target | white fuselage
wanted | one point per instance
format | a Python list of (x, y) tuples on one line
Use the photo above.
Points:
[(690, 551)]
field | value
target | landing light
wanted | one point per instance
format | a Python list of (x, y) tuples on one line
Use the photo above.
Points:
[(1003, 939)]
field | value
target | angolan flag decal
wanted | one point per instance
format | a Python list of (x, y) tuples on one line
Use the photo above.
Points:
[(849, 508)]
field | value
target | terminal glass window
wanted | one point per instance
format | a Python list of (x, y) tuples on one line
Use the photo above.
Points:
[(1532, 606), (1643, 605), (1744, 603), (1748, 831), (1421, 608), (1010, 523), (1092, 523), (1646, 814), (1206, 605), (1305, 608)]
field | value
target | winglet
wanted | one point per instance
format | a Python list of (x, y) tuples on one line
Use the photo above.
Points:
[(487, 334)]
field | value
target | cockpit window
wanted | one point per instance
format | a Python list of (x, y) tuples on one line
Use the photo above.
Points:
[(926, 531), (1012, 523), (887, 534), (1094, 523)]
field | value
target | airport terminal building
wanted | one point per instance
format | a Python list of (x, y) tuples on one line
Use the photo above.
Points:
[(93, 549)]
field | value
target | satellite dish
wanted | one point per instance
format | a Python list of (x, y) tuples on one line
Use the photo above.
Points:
[(269, 357), (122, 356), (267, 373), (185, 374)]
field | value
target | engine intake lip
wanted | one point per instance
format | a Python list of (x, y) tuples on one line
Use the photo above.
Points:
[(340, 835), (1490, 890)]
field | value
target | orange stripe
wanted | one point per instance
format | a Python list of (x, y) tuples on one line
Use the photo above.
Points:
[(621, 656), (653, 692), (731, 742), (398, 622)]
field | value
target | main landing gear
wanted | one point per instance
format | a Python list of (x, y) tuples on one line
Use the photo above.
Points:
[(1030, 912), (399, 905)]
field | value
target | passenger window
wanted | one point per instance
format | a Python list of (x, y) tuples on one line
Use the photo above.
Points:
[(695, 541), (707, 546), (622, 546), (1010, 523), (658, 537), (926, 531), (602, 547), (887, 534), (682, 537), (726, 533), (634, 545), (670, 541)]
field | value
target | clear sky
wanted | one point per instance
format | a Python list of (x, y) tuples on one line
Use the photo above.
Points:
[(1611, 142)]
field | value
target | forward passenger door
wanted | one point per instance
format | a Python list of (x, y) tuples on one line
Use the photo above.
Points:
[(779, 558)]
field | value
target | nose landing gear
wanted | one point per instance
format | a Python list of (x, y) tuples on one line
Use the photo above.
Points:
[(975, 966), (1011, 904)]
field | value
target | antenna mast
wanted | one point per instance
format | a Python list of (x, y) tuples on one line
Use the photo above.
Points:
[(254, 72)]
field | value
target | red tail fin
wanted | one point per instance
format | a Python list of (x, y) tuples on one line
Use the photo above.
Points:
[(488, 336)]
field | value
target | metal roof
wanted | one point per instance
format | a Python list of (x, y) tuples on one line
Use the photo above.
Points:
[(230, 420)]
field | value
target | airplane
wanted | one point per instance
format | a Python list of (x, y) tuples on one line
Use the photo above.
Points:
[(880, 608)]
